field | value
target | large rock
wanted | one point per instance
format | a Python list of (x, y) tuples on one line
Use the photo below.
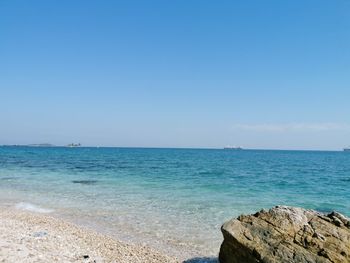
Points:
[(286, 234)]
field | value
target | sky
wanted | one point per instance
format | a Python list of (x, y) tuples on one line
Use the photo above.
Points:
[(258, 74)]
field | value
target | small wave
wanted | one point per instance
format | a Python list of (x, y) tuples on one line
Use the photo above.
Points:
[(33, 208)]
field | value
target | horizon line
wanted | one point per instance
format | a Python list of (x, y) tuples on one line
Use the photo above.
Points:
[(167, 147)]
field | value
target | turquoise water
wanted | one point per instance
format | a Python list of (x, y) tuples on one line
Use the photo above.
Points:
[(171, 199)]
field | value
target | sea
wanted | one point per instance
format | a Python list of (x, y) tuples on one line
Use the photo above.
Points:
[(174, 200)]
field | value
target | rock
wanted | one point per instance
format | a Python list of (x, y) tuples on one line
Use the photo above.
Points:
[(336, 217), (285, 235), (87, 182)]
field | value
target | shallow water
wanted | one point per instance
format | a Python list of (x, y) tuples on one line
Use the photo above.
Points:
[(171, 199)]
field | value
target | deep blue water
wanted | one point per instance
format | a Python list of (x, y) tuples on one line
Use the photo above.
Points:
[(171, 198)]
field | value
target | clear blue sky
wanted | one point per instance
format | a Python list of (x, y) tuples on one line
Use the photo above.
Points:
[(260, 74)]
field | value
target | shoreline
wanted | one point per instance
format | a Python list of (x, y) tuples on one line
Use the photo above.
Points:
[(33, 237), (93, 223)]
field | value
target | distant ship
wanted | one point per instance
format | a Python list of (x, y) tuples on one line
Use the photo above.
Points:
[(346, 149), (235, 148), (74, 145)]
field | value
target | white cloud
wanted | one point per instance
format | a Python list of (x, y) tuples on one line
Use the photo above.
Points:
[(293, 127)]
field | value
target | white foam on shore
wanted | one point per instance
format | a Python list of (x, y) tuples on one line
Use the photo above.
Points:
[(33, 208)]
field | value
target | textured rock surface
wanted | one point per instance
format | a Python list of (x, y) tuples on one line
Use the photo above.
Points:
[(286, 234)]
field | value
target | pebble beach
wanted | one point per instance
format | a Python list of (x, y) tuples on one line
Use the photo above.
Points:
[(33, 237)]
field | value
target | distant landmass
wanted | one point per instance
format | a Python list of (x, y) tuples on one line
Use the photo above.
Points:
[(30, 145), (41, 145)]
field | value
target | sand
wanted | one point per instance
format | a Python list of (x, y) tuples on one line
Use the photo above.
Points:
[(33, 237)]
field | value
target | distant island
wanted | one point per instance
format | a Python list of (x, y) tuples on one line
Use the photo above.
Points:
[(40, 145), (30, 145)]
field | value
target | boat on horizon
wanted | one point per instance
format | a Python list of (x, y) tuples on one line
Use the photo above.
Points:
[(346, 149), (73, 145), (235, 148)]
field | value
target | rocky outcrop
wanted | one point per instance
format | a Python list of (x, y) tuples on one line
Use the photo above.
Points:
[(285, 235)]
